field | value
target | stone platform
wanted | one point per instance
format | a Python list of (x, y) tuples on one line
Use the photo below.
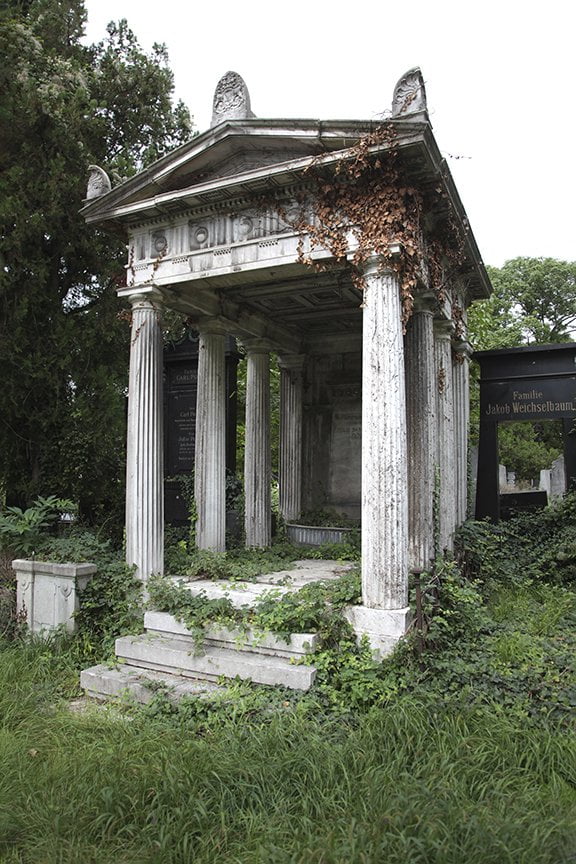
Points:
[(170, 657)]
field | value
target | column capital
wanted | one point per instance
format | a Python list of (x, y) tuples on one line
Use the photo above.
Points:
[(463, 349), (291, 362), (375, 265), (149, 300), (443, 329), (256, 346), (211, 326), (425, 303)]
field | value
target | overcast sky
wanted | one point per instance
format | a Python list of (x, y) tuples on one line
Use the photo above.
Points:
[(499, 76)]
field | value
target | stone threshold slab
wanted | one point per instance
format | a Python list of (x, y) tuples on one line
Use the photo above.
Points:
[(242, 595), (211, 663), (245, 595)]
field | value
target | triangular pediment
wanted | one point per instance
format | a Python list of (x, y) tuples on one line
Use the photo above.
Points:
[(234, 149)]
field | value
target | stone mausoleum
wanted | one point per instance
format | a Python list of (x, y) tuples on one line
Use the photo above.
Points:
[(342, 247)]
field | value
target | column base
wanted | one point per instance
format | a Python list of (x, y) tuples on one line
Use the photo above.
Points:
[(383, 627)]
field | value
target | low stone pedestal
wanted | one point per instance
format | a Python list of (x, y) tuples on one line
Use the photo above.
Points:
[(48, 594), (383, 627)]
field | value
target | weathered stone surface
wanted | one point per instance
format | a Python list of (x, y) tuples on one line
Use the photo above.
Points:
[(231, 99), (210, 454), (421, 433), (98, 183), (296, 645), (242, 595), (48, 594), (446, 434), (409, 94), (290, 480), (129, 683), (384, 462), (383, 627), (461, 386), (558, 478), (257, 465), (173, 655), (145, 448)]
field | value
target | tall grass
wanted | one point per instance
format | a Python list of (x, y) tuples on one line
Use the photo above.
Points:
[(411, 783)]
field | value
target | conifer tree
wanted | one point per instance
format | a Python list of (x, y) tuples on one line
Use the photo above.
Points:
[(63, 349)]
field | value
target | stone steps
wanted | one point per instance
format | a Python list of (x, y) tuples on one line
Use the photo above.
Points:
[(296, 645), (211, 663), (168, 656), (127, 682)]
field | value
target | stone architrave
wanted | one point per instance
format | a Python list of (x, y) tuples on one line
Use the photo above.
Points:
[(384, 462), (257, 462), (210, 446), (421, 431), (145, 448), (461, 384), (291, 366), (446, 436)]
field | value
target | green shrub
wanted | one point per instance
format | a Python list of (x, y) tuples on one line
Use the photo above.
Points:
[(22, 531)]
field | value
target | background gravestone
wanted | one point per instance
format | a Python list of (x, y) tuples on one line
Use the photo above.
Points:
[(180, 388)]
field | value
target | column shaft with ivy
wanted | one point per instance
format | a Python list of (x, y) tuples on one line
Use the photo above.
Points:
[(384, 462), (145, 448)]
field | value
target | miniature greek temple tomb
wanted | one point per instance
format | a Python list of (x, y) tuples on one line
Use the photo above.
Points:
[(343, 248)]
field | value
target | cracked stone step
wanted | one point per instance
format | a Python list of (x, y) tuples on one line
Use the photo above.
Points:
[(140, 685), (211, 663), (296, 645)]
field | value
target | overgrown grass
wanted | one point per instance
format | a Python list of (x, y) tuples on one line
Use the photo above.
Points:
[(463, 753), (409, 784)]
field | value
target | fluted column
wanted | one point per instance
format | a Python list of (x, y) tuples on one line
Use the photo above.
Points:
[(461, 378), (291, 366), (210, 452), (257, 468), (421, 429), (446, 434), (384, 466), (145, 448)]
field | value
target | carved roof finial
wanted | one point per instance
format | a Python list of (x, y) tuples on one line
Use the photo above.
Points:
[(231, 99), (409, 94), (98, 183)]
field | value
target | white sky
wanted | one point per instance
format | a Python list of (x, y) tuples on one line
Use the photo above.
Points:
[(499, 76)]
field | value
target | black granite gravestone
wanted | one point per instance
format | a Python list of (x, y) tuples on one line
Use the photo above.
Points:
[(180, 388), (536, 382)]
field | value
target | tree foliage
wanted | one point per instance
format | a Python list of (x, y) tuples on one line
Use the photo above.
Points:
[(534, 301), (63, 350)]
